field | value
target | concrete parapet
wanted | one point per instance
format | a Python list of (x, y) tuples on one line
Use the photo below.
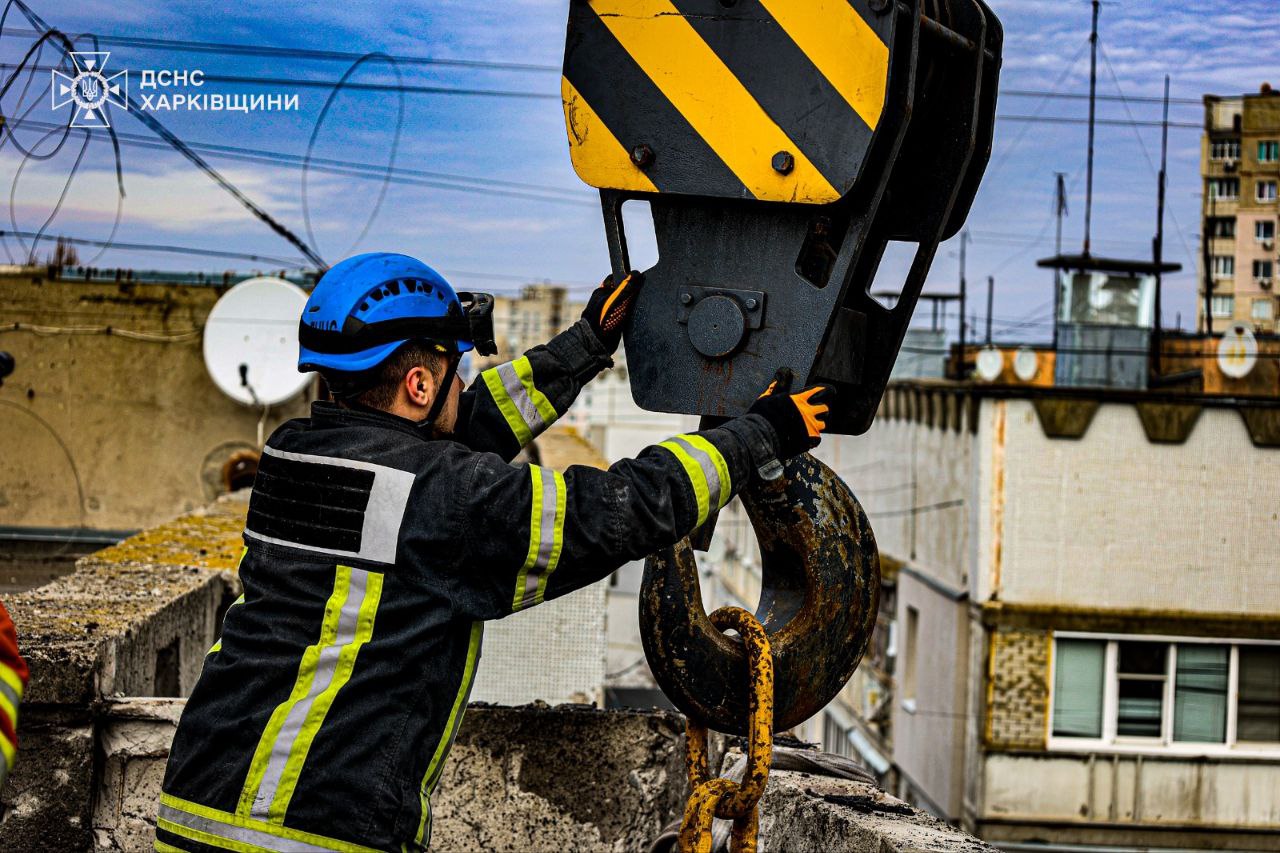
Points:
[(133, 620)]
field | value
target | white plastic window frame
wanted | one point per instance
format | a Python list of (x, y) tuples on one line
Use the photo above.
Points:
[(1110, 742)]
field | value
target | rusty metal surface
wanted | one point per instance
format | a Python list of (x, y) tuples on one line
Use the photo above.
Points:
[(819, 594), (721, 797)]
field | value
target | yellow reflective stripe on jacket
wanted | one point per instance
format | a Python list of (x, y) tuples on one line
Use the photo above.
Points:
[(526, 409), (324, 669), (314, 716), (546, 536), (228, 831), (10, 693), (436, 765), (706, 469), (217, 647)]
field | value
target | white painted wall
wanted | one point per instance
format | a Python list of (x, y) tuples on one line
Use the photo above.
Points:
[(1112, 520)]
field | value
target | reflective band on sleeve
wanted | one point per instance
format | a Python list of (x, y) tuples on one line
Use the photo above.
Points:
[(436, 765), (526, 409), (546, 537), (719, 483), (706, 469), (227, 831), (325, 669)]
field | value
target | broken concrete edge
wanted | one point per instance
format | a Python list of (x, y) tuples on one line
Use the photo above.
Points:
[(566, 777), (103, 628)]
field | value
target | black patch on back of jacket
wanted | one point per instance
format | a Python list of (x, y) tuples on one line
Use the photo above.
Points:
[(309, 503)]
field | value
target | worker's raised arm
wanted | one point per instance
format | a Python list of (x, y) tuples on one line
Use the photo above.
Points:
[(539, 533), (508, 406)]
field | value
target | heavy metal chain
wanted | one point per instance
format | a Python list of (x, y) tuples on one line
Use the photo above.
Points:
[(724, 798)]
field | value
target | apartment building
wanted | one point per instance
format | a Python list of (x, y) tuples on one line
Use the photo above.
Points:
[(1240, 165), (531, 318), (1082, 645)]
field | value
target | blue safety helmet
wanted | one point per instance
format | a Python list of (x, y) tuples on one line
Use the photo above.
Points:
[(367, 306)]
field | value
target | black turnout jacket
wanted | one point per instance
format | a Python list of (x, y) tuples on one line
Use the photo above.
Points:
[(373, 556)]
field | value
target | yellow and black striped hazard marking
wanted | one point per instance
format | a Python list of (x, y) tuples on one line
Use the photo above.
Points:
[(767, 99)]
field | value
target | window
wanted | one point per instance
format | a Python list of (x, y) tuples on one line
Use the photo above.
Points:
[(1264, 229), (1222, 226), (1223, 306), (1268, 151), (1225, 149), (1079, 669), (1200, 694), (909, 665), (1224, 266), (1141, 672), (1262, 309), (1224, 188), (1135, 693), (1258, 704), (1262, 270), (835, 737), (1265, 190)]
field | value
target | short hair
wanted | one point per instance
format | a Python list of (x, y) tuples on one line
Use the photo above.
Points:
[(377, 388)]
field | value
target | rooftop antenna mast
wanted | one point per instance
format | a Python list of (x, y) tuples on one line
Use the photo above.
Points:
[(1093, 99), (1059, 210), (1158, 243)]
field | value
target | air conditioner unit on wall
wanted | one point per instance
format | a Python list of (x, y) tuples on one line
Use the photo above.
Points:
[(1268, 244), (1229, 165), (1264, 283)]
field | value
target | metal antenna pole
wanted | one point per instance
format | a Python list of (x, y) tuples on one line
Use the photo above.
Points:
[(1159, 241), (1206, 235), (1093, 98), (1060, 210), (964, 239), (991, 289)]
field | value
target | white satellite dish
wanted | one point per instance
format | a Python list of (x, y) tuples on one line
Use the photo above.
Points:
[(990, 364), (251, 341), (1237, 351), (1025, 364)]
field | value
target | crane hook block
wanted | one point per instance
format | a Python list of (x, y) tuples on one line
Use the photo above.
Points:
[(820, 590), (780, 144)]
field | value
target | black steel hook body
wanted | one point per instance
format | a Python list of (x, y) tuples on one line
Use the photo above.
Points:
[(819, 594)]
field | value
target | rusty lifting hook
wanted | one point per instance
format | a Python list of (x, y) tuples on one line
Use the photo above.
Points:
[(819, 594)]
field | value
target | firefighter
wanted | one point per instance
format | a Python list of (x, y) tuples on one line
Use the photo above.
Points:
[(385, 529)]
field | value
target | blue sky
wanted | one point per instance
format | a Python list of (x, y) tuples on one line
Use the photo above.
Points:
[(490, 242)]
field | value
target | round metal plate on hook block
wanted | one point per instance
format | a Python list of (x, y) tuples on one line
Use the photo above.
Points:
[(717, 326)]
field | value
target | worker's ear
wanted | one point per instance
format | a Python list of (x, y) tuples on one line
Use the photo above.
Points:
[(420, 384)]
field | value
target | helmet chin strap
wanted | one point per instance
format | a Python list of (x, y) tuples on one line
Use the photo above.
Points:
[(428, 424)]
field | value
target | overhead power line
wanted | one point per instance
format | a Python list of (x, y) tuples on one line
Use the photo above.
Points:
[(1118, 122), (158, 247), (240, 49), (405, 175), (307, 83)]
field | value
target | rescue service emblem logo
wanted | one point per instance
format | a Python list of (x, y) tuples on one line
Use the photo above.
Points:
[(90, 90)]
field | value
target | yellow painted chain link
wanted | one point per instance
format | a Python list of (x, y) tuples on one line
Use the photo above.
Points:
[(725, 798)]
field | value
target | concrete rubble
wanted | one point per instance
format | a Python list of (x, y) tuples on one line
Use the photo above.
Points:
[(114, 646)]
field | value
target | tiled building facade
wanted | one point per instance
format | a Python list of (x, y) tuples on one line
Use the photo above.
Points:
[(1240, 164)]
